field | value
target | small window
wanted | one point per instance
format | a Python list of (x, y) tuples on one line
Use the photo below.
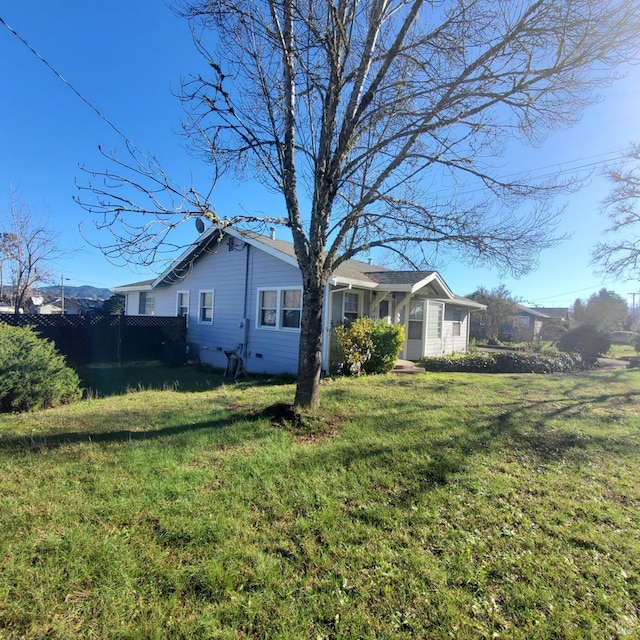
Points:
[(268, 308), (182, 304), (456, 326), (146, 303), (206, 307), (291, 308), (350, 306), (416, 320)]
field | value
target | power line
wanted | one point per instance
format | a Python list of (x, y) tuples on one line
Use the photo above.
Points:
[(619, 154), (61, 77)]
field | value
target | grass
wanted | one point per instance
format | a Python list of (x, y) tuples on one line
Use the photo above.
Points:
[(431, 506)]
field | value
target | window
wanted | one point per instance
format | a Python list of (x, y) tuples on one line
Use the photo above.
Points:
[(205, 315), (146, 303), (279, 308), (268, 308), (182, 303), (350, 306), (416, 318), (457, 322), (291, 308), (434, 320)]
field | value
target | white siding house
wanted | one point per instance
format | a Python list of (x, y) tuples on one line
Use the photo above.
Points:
[(242, 292)]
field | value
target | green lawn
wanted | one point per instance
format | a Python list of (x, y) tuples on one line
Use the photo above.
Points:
[(430, 506)]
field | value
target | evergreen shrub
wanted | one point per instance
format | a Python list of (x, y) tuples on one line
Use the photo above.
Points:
[(33, 375), (586, 340)]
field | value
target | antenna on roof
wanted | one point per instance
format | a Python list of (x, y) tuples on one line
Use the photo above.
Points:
[(199, 225)]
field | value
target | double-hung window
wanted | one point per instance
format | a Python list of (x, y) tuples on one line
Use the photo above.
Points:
[(182, 303), (205, 313), (146, 303), (457, 321), (350, 306), (291, 308), (279, 308)]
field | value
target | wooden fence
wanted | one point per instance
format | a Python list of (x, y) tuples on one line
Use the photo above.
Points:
[(93, 338)]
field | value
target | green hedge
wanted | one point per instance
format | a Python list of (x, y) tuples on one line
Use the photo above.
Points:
[(505, 363), (33, 375)]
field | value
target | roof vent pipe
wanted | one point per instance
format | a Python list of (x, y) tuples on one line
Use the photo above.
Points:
[(272, 233)]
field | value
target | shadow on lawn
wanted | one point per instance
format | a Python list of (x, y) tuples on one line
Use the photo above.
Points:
[(33, 444), (110, 379), (526, 426)]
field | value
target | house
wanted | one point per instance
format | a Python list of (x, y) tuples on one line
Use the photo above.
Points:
[(525, 326), (242, 292), (532, 324)]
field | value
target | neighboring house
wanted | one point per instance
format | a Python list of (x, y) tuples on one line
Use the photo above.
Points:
[(531, 324), (526, 325), (243, 292), (72, 306)]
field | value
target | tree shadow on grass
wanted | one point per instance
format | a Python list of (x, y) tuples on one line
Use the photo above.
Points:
[(33, 444), (530, 427)]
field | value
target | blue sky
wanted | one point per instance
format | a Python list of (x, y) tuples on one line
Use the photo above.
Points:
[(127, 58)]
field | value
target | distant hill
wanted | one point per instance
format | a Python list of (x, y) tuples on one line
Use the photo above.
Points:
[(83, 291)]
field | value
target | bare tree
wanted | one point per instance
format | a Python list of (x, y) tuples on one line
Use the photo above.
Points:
[(620, 256), (28, 248), (378, 121)]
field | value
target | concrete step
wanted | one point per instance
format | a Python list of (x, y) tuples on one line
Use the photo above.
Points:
[(406, 367)]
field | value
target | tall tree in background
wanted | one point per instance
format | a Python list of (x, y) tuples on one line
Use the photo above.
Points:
[(620, 255), (28, 248), (605, 310), (501, 308), (378, 122)]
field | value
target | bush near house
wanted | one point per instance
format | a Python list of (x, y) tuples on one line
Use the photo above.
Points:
[(505, 363), (33, 375), (368, 346)]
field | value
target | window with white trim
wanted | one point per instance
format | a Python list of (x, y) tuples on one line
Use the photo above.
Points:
[(205, 313), (279, 308), (435, 312), (146, 303), (350, 306), (416, 320), (456, 325), (291, 308), (182, 303)]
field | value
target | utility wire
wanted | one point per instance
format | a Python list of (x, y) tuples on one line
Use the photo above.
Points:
[(61, 77), (620, 154)]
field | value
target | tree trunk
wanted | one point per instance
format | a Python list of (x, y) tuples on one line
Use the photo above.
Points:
[(310, 353)]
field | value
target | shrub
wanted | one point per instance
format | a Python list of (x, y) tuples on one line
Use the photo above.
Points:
[(368, 346), (505, 363), (33, 375), (387, 342), (586, 340)]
